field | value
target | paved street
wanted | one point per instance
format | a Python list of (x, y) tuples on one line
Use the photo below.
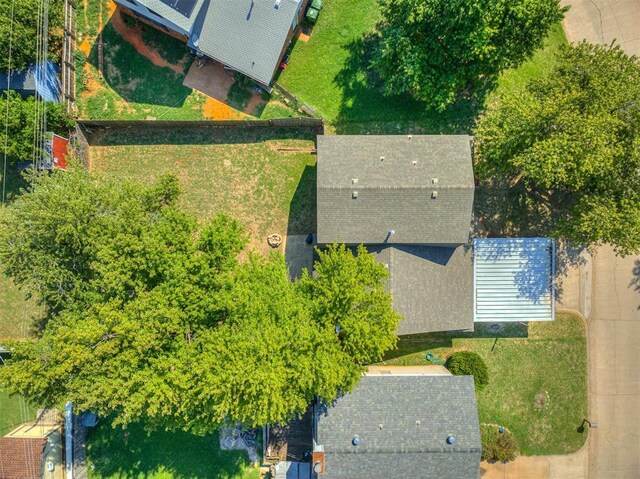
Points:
[(602, 21)]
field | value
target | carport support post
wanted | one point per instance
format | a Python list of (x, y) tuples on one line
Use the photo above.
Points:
[(68, 432)]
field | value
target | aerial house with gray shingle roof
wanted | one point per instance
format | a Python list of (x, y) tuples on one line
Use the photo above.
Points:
[(409, 199), (248, 36), (404, 426)]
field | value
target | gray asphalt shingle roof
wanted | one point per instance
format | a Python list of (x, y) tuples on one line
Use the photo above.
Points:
[(171, 14), (417, 414), (431, 287), (419, 186), (247, 35)]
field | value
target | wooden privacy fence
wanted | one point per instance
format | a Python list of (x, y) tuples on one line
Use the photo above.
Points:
[(68, 69), (313, 123), (90, 129)]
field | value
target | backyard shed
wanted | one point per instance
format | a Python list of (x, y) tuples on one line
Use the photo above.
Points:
[(514, 279)]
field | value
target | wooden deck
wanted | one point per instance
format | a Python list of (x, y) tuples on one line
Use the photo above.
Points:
[(293, 442)]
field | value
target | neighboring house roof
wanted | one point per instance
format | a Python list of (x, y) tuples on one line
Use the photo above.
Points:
[(21, 458), (431, 287), (246, 35), (421, 187), (514, 279), (403, 423), (175, 11), (42, 79)]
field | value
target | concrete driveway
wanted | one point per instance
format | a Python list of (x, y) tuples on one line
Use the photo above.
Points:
[(614, 366), (602, 21)]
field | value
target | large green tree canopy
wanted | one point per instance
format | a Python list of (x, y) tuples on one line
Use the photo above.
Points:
[(24, 31), (435, 49), (20, 128), (568, 147), (154, 318)]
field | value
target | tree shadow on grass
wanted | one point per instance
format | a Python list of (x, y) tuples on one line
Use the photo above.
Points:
[(135, 452), (365, 109), (133, 76)]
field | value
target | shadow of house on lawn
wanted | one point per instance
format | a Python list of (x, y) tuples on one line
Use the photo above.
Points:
[(365, 109), (421, 343), (135, 452), (302, 221), (133, 76)]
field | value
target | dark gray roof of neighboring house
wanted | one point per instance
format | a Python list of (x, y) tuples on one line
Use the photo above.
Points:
[(432, 287), (396, 192), (246, 35), (171, 14), (417, 414)]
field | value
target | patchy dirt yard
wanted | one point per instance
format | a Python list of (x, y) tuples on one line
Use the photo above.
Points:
[(243, 173)]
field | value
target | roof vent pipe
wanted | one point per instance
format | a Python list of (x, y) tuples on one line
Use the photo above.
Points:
[(451, 439), (356, 441)]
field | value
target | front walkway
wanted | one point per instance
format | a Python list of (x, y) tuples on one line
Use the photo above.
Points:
[(602, 21), (570, 466)]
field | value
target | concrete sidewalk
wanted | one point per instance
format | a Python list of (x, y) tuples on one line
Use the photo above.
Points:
[(602, 21), (569, 466)]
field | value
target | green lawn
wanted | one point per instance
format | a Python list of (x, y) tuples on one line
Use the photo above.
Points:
[(162, 455), (243, 174), (14, 410), (17, 313), (547, 364), (329, 73)]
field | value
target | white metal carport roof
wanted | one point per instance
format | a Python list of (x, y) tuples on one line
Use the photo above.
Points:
[(514, 279)]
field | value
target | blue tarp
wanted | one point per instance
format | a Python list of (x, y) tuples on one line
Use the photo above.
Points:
[(41, 79)]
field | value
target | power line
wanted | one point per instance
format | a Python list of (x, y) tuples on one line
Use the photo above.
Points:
[(6, 125)]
